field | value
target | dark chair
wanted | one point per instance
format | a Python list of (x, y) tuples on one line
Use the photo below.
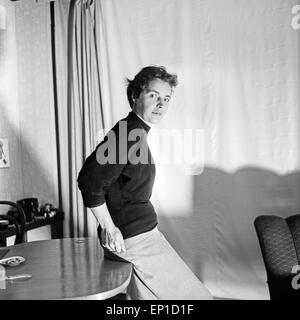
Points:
[(279, 241), (19, 223)]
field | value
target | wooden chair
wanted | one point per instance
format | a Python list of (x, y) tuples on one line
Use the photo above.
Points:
[(18, 223)]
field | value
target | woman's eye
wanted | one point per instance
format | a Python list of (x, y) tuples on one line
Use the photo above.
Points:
[(167, 99), (153, 95)]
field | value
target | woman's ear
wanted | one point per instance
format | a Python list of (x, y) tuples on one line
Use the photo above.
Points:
[(133, 99)]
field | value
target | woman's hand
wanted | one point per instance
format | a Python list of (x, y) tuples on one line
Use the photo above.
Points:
[(111, 236), (112, 239)]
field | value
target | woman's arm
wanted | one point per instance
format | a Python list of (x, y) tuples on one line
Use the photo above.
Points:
[(111, 236)]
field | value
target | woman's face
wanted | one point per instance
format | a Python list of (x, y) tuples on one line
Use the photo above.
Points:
[(153, 102)]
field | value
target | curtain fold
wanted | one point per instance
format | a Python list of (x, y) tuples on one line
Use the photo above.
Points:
[(79, 104)]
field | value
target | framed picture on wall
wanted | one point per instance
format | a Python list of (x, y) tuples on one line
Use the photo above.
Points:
[(4, 154)]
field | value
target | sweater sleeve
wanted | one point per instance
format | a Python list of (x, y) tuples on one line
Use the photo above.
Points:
[(104, 166), (100, 170)]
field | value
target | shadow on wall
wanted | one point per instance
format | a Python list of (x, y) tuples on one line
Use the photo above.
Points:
[(27, 176), (218, 240)]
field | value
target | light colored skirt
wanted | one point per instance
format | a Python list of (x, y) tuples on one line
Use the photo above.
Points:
[(158, 271)]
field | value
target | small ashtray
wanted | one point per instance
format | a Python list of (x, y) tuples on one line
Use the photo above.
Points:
[(12, 261)]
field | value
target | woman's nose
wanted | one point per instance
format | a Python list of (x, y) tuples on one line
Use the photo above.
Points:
[(160, 102)]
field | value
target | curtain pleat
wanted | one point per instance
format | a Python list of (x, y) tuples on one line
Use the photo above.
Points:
[(80, 107)]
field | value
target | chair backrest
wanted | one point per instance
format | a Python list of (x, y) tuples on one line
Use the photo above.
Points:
[(10, 219), (279, 241), (19, 224)]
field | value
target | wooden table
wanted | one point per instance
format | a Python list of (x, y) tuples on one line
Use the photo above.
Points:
[(70, 268)]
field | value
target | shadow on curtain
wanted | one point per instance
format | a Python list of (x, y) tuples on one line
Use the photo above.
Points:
[(79, 111)]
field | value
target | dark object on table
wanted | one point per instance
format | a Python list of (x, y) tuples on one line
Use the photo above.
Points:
[(279, 241), (48, 211), (30, 207)]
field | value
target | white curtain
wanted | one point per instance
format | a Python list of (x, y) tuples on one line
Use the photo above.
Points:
[(238, 68), (79, 108)]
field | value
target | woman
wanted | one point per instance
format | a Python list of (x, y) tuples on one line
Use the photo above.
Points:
[(120, 173)]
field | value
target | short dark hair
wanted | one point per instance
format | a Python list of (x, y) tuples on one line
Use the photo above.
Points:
[(142, 79)]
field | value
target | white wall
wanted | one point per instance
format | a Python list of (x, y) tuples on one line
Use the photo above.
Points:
[(26, 98), (26, 106)]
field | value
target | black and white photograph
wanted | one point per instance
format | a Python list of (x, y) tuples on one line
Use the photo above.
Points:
[(150, 152)]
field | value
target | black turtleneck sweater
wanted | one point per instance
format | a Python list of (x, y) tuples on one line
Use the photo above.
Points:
[(121, 172)]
